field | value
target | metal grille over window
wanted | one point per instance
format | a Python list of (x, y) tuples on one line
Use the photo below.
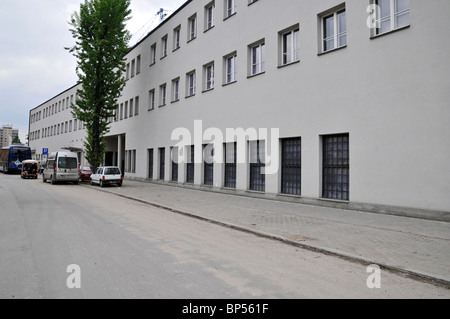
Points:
[(174, 154), (190, 166), (208, 164), (230, 165), (150, 163), (257, 179), (162, 162), (336, 167), (291, 168)]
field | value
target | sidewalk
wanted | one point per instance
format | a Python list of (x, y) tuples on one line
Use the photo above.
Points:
[(415, 246)]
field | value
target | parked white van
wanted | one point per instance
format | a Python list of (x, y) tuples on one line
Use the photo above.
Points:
[(61, 167)]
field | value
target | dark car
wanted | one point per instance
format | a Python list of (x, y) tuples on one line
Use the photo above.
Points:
[(85, 173)]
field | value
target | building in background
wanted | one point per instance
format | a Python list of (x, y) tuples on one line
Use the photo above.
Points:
[(7, 135), (359, 97)]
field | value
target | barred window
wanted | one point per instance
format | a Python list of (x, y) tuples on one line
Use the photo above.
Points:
[(230, 165), (291, 168), (257, 179), (336, 167)]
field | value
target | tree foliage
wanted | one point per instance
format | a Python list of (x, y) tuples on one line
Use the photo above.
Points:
[(101, 45)]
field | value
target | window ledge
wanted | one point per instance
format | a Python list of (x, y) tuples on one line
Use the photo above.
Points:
[(231, 15), (206, 30), (288, 64), (254, 75), (208, 90), (376, 36), (333, 50), (229, 83)]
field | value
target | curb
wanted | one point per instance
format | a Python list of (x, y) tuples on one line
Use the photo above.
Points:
[(404, 272)]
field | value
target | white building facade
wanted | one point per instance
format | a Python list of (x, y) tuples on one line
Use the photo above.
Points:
[(338, 101)]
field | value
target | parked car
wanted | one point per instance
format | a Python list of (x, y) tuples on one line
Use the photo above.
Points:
[(61, 167), (107, 175), (85, 173), (30, 169)]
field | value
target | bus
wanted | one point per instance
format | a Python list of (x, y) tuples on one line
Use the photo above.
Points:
[(11, 158)]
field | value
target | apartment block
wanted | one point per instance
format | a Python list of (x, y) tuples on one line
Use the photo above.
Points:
[(321, 100)]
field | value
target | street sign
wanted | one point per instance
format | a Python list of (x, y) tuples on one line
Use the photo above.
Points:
[(45, 151)]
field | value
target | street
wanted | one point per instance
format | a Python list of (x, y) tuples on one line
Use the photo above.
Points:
[(126, 249)]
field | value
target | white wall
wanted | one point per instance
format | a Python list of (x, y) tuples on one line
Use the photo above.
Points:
[(389, 93)]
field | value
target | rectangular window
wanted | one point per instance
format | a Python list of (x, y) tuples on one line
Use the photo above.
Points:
[(133, 67), (190, 165), (131, 107), (336, 167), (230, 8), (127, 75), (334, 30), (190, 84), (257, 58), (290, 46), (209, 16), (174, 157), (230, 68), (257, 154), (136, 106), (176, 38), (133, 161), (121, 111), (164, 47), (291, 166), (208, 164), (138, 64), (153, 54), (208, 76), (162, 163), (162, 95), (151, 100), (125, 112), (392, 15), (230, 165), (192, 27), (176, 90), (150, 163)]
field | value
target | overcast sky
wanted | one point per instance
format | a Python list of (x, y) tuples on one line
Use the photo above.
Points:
[(34, 66)]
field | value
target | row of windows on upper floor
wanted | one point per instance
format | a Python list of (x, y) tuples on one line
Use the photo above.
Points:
[(57, 129), (388, 15), (392, 15), (334, 36), (54, 108), (230, 8)]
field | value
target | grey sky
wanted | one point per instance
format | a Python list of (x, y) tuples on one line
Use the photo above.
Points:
[(34, 66)]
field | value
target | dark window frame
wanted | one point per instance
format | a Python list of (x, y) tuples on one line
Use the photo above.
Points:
[(336, 167)]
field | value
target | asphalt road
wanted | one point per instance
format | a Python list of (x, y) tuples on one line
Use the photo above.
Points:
[(126, 249)]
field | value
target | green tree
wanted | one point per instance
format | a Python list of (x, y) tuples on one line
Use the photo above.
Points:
[(16, 140), (100, 49)]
